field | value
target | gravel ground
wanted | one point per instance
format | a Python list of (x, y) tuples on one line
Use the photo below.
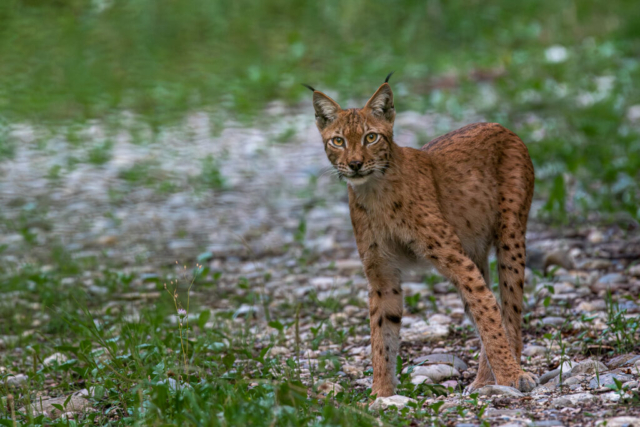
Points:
[(279, 220)]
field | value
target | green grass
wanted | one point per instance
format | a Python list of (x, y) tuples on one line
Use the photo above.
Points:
[(143, 368)]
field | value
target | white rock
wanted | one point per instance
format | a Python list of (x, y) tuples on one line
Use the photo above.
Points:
[(499, 390), (589, 367), (440, 319), (595, 236), (382, 403), (437, 373), (16, 380), (534, 350), (611, 396), (633, 113), (420, 379), (58, 358), (556, 54), (278, 351), (422, 332), (580, 398)]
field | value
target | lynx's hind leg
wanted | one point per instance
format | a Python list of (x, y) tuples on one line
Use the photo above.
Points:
[(485, 375)]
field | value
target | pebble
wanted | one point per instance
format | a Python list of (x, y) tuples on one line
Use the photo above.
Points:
[(16, 380), (442, 358), (499, 390), (382, 403), (607, 379), (580, 398), (437, 373), (635, 270), (561, 402), (612, 278), (422, 332), (77, 404), (553, 321), (55, 358), (420, 379), (589, 367), (565, 369), (534, 350), (440, 319)]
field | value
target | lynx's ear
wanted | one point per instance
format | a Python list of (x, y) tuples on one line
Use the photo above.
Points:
[(326, 109), (381, 103)]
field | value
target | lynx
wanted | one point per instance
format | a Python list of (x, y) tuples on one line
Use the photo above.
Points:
[(444, 205)]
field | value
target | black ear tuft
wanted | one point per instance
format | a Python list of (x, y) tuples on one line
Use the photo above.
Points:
[(388, 77), (309, 87)]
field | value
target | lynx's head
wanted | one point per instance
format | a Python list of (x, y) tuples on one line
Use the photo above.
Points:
[(358, 142)]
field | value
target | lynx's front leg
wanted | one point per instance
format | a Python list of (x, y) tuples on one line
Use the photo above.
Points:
[(385, 310)]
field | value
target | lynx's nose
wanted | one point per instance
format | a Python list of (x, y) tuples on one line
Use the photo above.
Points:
[(355, 165)]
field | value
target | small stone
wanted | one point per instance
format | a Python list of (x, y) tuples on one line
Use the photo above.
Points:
[(422, 332), (589, 367), (635, 270), (75, 405), (327, 387), (354, 371), (595, 236), (621, 422), (572, 380), (499, 390), (382, 403), (596, 264), (633, 113), (561, 402), (553, 321), (612, 396), (630, 385), (420, 379), (632, 362), (546, 423), (534, 350), (348, 266), (450, 384), (437, 373), (16, 380), (439, 319), (447, 359), (565, 369), (608, 379), (278, 351), (56, 358), (612, 278), (580, 398)]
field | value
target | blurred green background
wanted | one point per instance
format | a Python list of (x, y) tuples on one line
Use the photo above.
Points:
[(562, 73)]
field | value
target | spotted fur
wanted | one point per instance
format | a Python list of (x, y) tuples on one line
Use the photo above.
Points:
[(446, 204)]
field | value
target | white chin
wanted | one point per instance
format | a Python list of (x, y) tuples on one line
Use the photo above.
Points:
[(358, 180)]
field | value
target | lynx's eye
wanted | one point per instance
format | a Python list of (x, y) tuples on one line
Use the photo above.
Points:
[(372, 137), (338, 142)]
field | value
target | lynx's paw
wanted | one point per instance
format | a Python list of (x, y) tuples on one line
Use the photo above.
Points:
[(385, 390), (525, 382), (476, 385)]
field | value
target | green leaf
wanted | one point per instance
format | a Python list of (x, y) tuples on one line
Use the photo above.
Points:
[(228, 360), (276, 325), (205, 256), (204, 318), (436, 406)]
